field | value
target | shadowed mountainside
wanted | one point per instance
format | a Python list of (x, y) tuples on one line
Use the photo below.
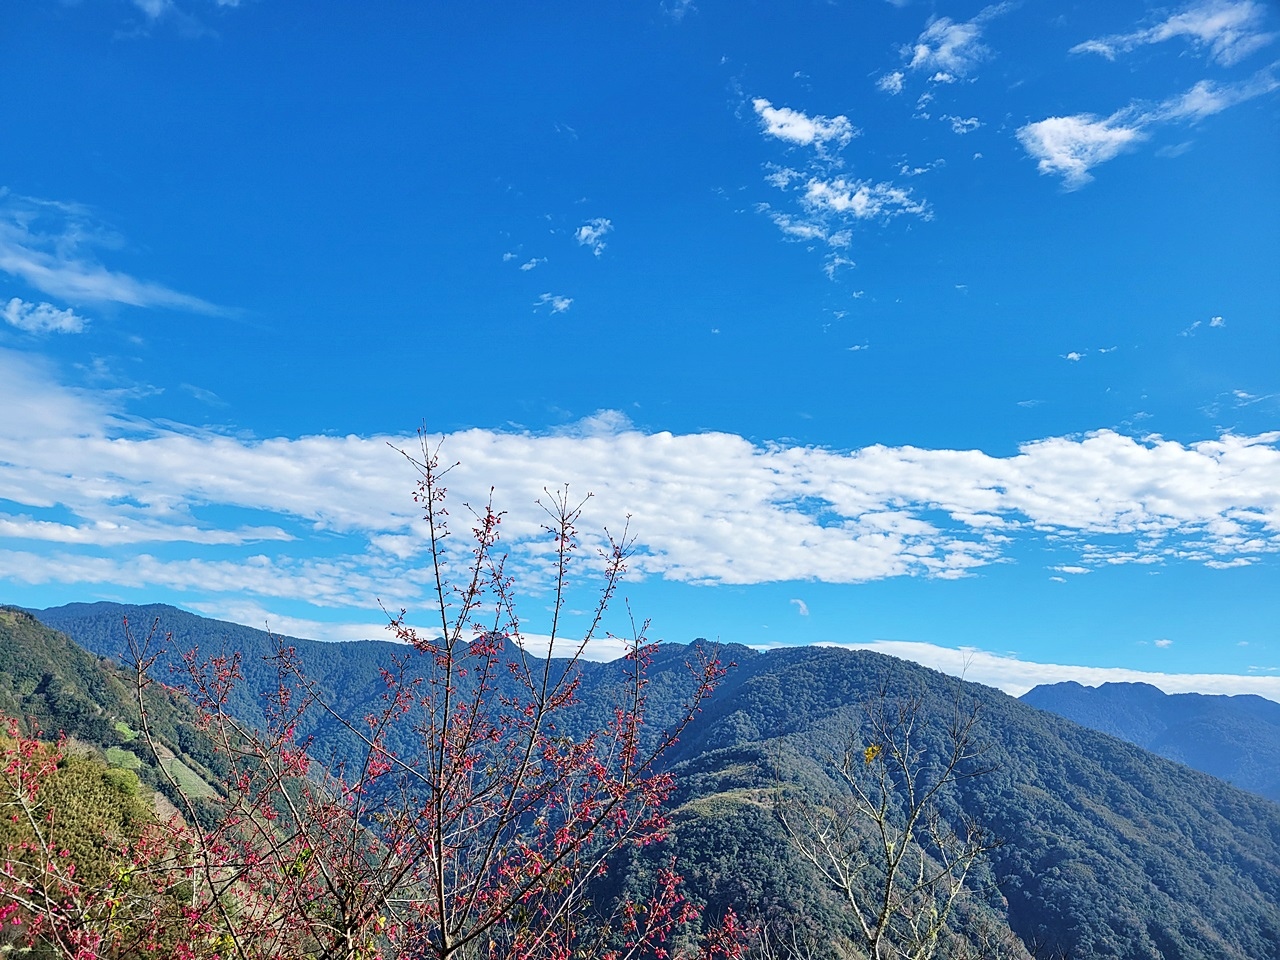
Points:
[(1236, 739)]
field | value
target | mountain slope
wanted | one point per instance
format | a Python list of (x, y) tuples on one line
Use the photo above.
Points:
[(1110, 850), (53, 686), (1236, 739)]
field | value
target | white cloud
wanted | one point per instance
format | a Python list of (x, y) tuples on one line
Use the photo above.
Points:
[(828, 206), (1230, 29), (592, 233), (1229, 564), (962, 125), (41, 317), (1163, 643), (49, 244), (860, 199), (1016, 677), (907, 170), (531, 264), (1070, 147), (802, 608), (558, 304), (1190, 331), (891, 83), (952, 48), (1074, 356), (328, 518), (795, 127)]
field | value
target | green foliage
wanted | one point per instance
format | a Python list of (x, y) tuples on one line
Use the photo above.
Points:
[(94, 812)]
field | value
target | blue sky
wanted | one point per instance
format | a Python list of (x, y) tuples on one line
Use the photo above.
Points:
[(942, 327)]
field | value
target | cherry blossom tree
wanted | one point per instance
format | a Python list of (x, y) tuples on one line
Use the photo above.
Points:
[(467, 823)]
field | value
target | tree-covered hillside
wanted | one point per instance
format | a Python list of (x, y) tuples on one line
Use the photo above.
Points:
[(1236, 739), (54, 687), (1107, 850)]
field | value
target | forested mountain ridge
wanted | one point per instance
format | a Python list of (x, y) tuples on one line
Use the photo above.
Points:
[(1109, 851), (1236, 739)]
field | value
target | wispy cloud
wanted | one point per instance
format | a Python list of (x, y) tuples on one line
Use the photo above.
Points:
[(1070, 147), (555, 302), (677, 10), (50, 245), (892, 83), (533, 263), (1208, 97), (800, 229), (827, 205), (962, 125), (1229, 30), (41, 317), (802, 608), (859, 199), (154, 8), (203, 395), (1190, 331), (950, 47), (592, 233)]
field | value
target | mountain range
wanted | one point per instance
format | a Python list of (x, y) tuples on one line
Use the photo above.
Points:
[(1107, 849), (1235, 738)]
